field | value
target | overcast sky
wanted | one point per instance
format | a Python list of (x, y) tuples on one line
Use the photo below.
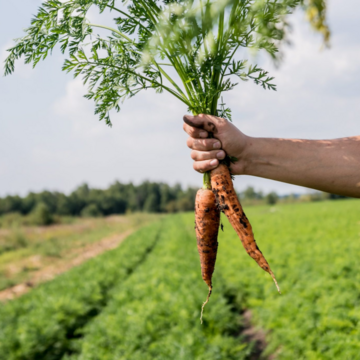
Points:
[(50, 139)]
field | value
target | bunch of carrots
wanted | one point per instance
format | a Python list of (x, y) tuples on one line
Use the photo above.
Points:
[(218, 195)]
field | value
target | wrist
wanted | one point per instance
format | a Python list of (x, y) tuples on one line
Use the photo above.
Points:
[(243, 154), (248, 155)]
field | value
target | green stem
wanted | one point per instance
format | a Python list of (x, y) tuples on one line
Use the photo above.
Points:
[(207, 181), (178, 66), (217, 67), (169, 78), (152, 11), (149, 12), (113, 30), (202, 28), (179, 96)]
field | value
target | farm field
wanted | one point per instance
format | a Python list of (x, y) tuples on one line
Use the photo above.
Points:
[(27, 251), (142, 300)]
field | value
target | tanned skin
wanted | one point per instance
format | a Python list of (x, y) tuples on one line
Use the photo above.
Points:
[(327, 165)]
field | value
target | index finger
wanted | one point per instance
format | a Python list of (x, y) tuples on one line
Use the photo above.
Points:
[(195, 133), (202, 121)]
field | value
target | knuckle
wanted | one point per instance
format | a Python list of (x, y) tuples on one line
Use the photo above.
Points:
[(212, 154), (193, 132), (196, 166), (209, 144), (189, 142), (193, 155), (198, 144), (189, 130), (217, 142)]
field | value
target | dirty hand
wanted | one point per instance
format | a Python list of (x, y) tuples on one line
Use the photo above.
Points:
[(227, 140)]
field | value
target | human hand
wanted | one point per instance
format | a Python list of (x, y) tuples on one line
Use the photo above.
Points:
[(227, 140)]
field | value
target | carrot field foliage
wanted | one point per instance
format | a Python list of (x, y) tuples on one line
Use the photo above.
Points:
[(143, 300), (41, 324), (198, 40), (313, 250)]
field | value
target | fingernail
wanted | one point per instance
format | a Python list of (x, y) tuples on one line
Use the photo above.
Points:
[(220, 155), (203, 134), (217, 145), (213, 162)]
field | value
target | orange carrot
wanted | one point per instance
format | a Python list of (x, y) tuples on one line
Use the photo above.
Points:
[(207, 219), (229, 204)]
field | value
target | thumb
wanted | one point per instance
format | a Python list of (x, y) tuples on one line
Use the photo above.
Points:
[(203, 122)]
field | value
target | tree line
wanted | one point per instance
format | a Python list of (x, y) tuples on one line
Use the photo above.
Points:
[(121, 198), (117, 199)]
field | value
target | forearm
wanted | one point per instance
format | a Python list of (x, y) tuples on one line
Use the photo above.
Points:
[(328, 165)]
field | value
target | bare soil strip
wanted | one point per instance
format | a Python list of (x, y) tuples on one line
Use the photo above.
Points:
[(256, 336), (49, 272)]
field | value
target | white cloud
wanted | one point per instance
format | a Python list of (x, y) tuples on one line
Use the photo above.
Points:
[(148, 112), (73, 106)]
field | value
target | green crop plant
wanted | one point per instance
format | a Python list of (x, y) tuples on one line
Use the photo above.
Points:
[(198, 39), (140, 301), (40, 324)]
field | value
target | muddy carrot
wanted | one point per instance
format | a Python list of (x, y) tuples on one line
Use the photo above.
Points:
[(229, 204), (207, 219)]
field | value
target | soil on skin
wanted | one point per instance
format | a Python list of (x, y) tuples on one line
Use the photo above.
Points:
[(49, 272)]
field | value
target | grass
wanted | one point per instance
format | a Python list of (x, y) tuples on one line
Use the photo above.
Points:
[(24, 249), (151, 310)]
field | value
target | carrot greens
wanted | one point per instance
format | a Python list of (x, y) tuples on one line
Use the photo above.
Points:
[(199, 40)]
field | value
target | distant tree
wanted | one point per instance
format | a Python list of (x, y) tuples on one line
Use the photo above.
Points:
[(82, 191), (177, 191), (11, 204), (272, 198), (166, 196), (91, 211), (130, 196), (249, 193), (185, 204), (319, 196), (49, 199), (63, 206), (337, 197), (29, 203), (171, 206), (151, 203), (41, 215), (260, 195)]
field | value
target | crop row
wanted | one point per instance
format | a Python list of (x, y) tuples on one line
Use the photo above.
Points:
[(313, 250), (41, 324), (142, 301), (155, 313), (126, 305)]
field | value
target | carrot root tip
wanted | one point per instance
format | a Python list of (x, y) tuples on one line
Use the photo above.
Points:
[(277, 285), (203, 305)]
